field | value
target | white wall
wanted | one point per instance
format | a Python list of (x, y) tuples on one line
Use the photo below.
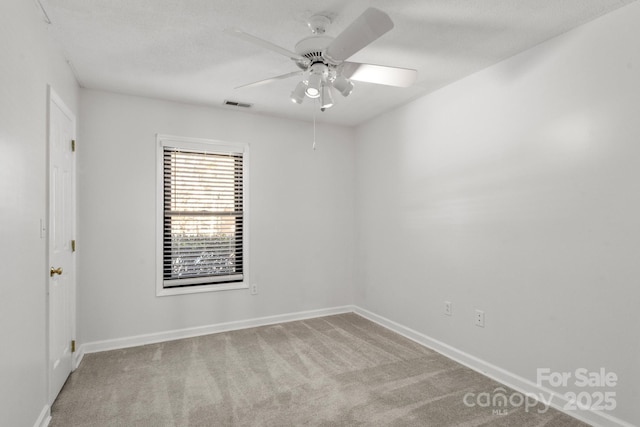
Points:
[(28, 63), (516, 191), (301, 216)]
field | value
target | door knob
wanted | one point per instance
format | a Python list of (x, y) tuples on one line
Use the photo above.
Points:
[(55, 271)]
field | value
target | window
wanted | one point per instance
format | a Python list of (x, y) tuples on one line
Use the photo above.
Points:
[(202, 215)]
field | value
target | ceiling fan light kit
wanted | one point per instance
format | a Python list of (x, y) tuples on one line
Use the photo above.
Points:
[(322, 59)]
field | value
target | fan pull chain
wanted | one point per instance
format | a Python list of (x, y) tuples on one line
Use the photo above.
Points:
[(314, 127)]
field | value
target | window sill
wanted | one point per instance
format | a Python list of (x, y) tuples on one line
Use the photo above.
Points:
[(200, 289)]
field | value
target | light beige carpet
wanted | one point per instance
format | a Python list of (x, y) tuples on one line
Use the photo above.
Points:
[(333, 371)]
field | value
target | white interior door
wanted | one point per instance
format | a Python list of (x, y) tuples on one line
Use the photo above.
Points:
[(62, 212)]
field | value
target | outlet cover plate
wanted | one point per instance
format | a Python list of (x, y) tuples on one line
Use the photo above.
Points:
[(448, 308), (480, 318)]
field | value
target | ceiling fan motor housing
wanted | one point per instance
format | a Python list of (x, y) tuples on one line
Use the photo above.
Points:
[(312, 49)]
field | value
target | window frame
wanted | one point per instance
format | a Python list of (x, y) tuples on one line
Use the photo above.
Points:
[(199, 144)]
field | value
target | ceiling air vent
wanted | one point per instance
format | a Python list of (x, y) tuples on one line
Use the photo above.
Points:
[(237, 104)]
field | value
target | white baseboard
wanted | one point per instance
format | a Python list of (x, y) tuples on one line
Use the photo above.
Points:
[(507, 378), (77, 358), (44, 418), (92, 347)]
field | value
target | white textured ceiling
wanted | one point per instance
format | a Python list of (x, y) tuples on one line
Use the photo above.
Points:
[(176, 49)]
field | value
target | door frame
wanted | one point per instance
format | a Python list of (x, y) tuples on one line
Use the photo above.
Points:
[(54, 98)]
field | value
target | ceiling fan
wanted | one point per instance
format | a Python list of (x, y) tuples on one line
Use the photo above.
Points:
[(323, 60)]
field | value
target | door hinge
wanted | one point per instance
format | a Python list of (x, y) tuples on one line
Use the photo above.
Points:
[(73, 246), (73, 145), (73, 346)]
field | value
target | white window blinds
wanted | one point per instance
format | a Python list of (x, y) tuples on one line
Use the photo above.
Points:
[(203, 217)]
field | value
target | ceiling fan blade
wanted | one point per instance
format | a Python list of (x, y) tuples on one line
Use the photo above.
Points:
[(265, 44), (379, 74), (372, 24), (272, 79)]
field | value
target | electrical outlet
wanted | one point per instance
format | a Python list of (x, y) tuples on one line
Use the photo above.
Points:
[(254, 289), (480, 318), (448, 308)]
